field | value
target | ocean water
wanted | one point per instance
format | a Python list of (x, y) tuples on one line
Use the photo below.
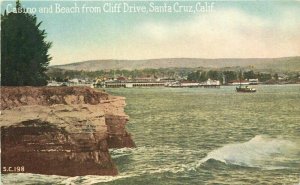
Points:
[(203, 136)]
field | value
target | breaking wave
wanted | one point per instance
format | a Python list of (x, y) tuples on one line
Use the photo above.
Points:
[(260, 151)]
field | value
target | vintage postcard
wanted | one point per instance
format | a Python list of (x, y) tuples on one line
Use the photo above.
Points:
[(150, 92)]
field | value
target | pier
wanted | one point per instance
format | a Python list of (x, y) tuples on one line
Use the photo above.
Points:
[(194, 86), (133, 84), (148, 82), (155, 84)]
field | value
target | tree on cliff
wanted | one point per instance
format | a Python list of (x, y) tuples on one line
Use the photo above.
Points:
[(24, 50)]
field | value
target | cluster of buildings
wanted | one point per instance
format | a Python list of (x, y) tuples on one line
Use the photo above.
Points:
[(148, 82), (71, 82), (153, 82)]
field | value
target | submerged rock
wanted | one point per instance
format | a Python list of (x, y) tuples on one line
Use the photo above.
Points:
[(61, 130)]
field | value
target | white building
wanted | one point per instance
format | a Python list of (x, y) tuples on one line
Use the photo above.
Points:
[(212, 82)]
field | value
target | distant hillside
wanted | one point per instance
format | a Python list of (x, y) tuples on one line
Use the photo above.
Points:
[(278, 64)]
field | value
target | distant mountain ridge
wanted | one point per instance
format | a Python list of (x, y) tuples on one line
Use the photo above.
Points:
[(285, 63)]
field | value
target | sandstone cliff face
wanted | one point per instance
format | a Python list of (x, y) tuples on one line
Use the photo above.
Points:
[(61, 130)]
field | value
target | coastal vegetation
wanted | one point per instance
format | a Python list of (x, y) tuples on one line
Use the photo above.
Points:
[(224, 75), (24, 50), (269, 70)]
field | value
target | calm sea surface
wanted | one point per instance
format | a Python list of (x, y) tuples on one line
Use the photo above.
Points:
[(203, 136)]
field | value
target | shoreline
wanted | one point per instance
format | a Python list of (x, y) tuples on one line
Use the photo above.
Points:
[(61, 131)]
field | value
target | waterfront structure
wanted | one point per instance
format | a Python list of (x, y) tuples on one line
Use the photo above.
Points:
[(253, 81), (150, 82), (238, 82)]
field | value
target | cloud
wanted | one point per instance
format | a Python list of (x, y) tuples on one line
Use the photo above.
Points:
[(157, 31), (223, 33)]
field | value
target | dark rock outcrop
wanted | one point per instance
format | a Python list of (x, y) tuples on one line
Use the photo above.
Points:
[(61, 130), (118, 137)]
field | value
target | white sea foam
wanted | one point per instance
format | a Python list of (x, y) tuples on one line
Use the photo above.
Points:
[(116, 153), (260, 151), (29, 178), (93, 179)]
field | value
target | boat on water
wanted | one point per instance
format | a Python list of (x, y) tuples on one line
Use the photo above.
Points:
[(245, 89)]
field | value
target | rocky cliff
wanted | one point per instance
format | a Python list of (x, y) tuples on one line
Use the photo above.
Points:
[(61, 130)]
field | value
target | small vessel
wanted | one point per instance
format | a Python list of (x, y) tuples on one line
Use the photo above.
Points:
[(245, 89)]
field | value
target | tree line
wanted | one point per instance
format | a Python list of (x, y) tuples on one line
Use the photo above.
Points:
[(63, 75), (191, 74), (228, 76)]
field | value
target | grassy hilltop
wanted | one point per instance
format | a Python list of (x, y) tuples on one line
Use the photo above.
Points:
[(273, 64)]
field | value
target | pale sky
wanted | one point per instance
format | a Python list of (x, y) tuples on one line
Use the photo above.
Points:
[(234, 29)]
